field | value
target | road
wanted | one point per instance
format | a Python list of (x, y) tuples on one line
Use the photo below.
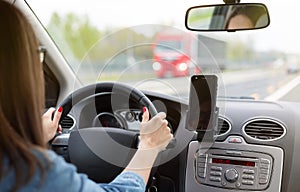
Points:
[(259, 84)]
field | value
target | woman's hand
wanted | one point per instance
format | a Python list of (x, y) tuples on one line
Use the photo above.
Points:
[(50, 126), (155, 134)]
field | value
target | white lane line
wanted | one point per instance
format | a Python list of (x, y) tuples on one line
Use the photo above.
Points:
[(284, 90)]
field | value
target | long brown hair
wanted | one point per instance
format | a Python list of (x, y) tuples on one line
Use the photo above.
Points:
[(21, 96)]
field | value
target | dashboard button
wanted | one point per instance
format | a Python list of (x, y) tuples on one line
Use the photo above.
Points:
[(235, 140), (215, 168), (265, 161), (250, 177), (263, 181), (216, 179), (201, 160), (264, 171), (201, 169), (203, 165), (263, 176), (202, 156), (264, 166), (130, 116), (248, 171), (247, 182), (202, 175), (215, 173)]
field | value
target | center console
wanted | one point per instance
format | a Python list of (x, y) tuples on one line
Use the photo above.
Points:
[(233, 165)]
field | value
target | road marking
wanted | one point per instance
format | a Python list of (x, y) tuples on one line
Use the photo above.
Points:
[(284, 90)]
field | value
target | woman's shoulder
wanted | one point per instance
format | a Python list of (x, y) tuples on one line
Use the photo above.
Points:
[(53, 163), (62, 175)]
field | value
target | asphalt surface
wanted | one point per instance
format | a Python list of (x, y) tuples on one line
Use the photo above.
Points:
[(258, 84)]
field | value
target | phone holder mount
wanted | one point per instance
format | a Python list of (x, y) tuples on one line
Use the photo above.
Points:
[(209, 135)]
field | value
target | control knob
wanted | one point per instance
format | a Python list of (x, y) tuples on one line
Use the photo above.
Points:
[(231, 175)]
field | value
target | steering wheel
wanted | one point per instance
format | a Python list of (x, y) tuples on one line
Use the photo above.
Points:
[(109, 87), (102, 153)]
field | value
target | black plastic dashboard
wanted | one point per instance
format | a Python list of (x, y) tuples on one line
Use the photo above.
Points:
[(256, 128), (256, 131)]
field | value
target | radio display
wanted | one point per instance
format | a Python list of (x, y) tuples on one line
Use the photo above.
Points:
[(233, 162)]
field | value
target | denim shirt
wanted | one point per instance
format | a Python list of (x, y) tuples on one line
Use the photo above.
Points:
[(62, 176)]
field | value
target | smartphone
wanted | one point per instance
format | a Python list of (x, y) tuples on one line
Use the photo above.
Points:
[(202, 110)]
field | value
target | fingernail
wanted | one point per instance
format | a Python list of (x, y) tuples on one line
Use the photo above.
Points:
[(144, 109), (60, 109)]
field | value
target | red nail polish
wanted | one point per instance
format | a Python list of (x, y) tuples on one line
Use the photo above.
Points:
[(144, 109), (60, 109)]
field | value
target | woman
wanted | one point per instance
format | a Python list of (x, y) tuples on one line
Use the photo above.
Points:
[(247, 17), (25, 163)]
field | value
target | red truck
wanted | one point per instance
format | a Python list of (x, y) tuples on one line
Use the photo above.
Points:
[(178, 53)]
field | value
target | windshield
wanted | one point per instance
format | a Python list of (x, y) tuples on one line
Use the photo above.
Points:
[(145, 44)]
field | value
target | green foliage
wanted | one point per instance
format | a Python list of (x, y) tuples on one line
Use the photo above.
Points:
[(77, 38), (78, 34)]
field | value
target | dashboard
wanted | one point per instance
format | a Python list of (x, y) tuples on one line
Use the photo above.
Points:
[(256, 146)]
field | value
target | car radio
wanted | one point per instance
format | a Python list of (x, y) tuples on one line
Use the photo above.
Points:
[(234, 169)]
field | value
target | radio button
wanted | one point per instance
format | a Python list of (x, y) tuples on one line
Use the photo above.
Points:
[(265, 161), (247, 182), (264, 176), (216, 179), (248, 171), (223, 183), (203, 165), (215, 173), (265, 166), (215, 168), (202, 157), (250, 177), (201, 160), (263, 181), (201, 170), (201, 174), (264, 171), (231, 175)]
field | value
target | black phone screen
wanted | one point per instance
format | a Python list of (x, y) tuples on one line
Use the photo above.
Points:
[(202, 102)]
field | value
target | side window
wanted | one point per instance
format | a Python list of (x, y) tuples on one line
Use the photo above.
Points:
[(51, 87)]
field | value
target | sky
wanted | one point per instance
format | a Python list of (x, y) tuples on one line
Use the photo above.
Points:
[(283, 34)]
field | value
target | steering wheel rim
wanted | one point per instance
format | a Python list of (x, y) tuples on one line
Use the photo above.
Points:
[(117, 87)]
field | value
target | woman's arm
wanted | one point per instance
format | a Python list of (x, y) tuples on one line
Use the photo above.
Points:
[(154, 137)]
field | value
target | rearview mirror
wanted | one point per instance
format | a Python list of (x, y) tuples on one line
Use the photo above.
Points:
[(227, 17)]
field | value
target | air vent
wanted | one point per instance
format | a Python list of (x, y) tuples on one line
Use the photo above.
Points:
[(223, 126), (68, 122), (264, 129)]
